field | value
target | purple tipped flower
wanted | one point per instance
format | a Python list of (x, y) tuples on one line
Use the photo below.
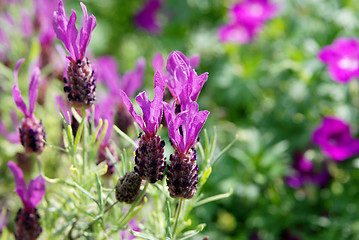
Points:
[(146, 17), (80, 83), (27, 225), (305, 172), (149, 158), (32, 134), (183, 130), (335, 140), (184, 83), (246, 19), (342, 58)]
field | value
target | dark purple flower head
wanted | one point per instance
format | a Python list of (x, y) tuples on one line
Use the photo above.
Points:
[(16, 93), (334, 138), (306, 172), (184, 83), (66, 31), (146, 17), (342, 58), (183, 128), (32, 194), (152, 110)]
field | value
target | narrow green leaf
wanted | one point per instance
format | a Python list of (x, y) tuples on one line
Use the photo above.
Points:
[(224, 150), (142, 235), (125, 136), (87, 194), (113, 160), (192, 233), (96, 131), (99, 192), (214, 198), (204, 177), (78, 134)]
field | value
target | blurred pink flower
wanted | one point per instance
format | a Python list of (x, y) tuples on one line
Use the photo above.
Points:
[(246, 19), (334, 138), (342, 58)]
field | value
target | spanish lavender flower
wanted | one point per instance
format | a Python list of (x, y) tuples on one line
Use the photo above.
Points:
[(130, 82), (342, 58), (305, 172), (27, 225), (32, 134), (334, 138), (146, 17), (246, 19), (183, 130), (133, 224), (149, 159), (80, 83), (128, 187), (184, 83)]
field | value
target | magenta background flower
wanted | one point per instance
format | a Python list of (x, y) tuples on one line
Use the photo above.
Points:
[(66, 31), (104, 110), (342, 58), (126, 235), (44, 12), (35, 77), (11, 136), (4, 217), (26, 23), (334, 138), (183, 83), (152, 110), (305, 172), (146, 17), (32, 194), (130, 82), (183, 128), (246, 19)]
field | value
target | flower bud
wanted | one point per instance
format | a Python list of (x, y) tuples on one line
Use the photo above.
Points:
[(128, 187)]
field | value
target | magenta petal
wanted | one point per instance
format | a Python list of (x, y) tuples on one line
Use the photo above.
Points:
[(157, 63), (177, 59), (129, 106), (199, 81), (60, 24), (36, 191), (71, 37), (85, 33), (35, 77), (19, 180), (16, 93), (132, 80), (145, 104)]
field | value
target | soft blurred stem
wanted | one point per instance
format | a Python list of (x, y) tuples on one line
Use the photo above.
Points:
[(108, 208), (177, 215), (39, 165), (83, 115), (139, 198)]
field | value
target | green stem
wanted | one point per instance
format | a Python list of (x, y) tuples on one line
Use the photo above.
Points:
[(134, 204), (39, 165), (177, 215), (108, 208), (83, 115)]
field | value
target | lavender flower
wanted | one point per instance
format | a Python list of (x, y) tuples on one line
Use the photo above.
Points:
[(342, 58), (130, 82), (183, 130), (12, 137), (32, 133), (27, 225), (334, 138), (246, 19), (146, 17), (184, 83), (305, 172), (149, 158), (128, 188), (80, 83)]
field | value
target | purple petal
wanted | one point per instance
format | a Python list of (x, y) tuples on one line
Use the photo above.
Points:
[(146, 18), (35, 77), (36, 191), (16, 93), (87, 28), (26, 23), (158, 63), (12, 137), (19, 180), (60, 22), (71, 37), (236, 33), (197, 85), (145, 104), (128, 104), (177, 59)]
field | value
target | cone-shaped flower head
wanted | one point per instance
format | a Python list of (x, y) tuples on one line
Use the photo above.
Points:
[(342, 58), (184, 83), (146, 17), (32, 133), (183, 130), (128, 187), (27, 225), (335, 140), (149, 158), (80, 83)]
